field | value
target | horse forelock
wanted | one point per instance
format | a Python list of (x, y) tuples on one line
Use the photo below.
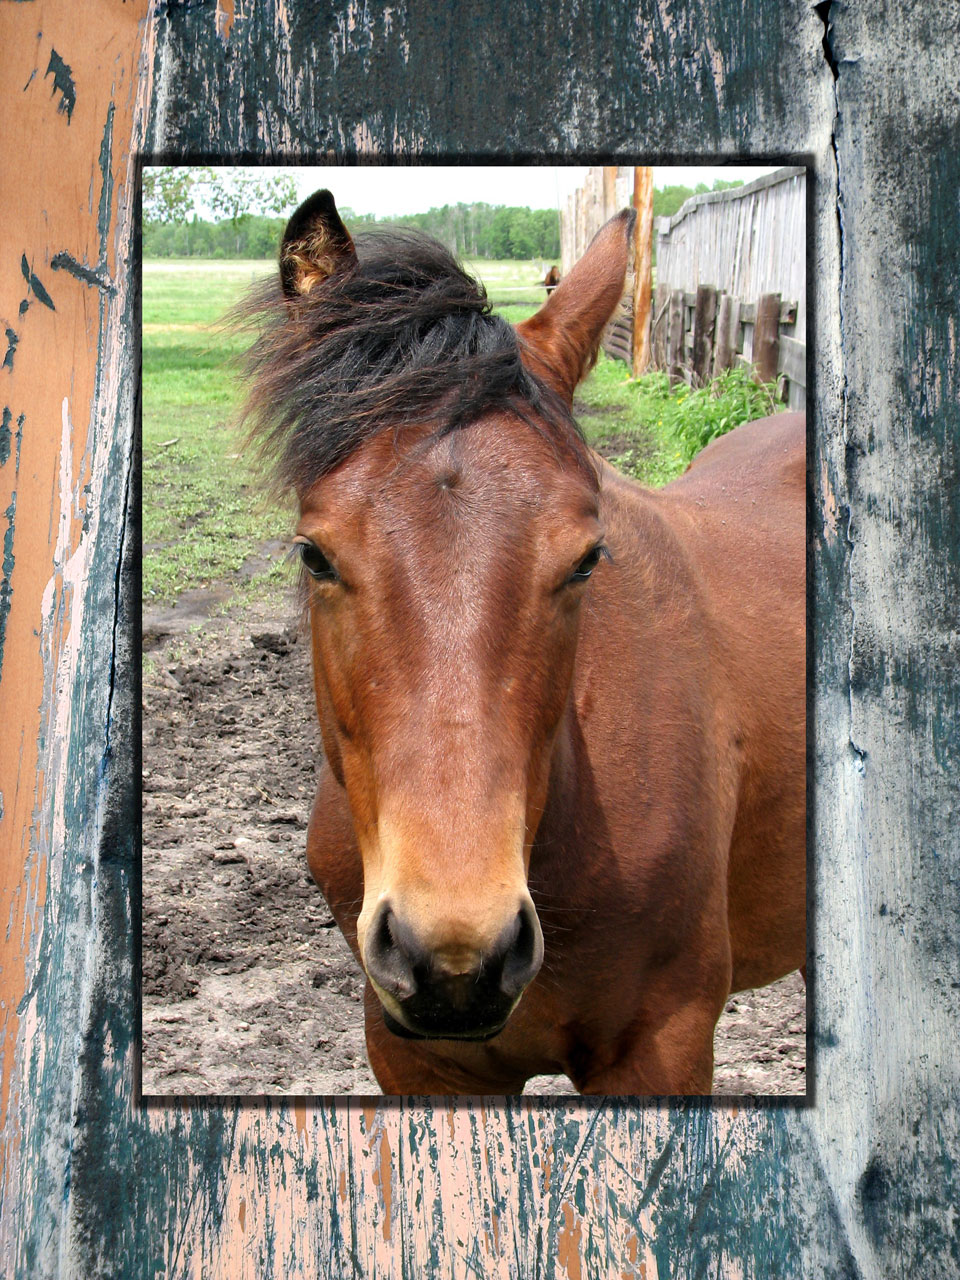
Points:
[(404, 336)]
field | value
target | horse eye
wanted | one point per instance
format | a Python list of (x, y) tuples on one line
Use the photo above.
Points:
[(316, 563), (587, 565)]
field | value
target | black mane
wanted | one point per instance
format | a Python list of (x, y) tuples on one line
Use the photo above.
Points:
[(405, 336)]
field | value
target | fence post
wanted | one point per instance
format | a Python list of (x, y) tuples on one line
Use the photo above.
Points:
[(609, 197), (675, 336), (660, 325), (766, 337), (704, 320), (728, 325), (642, 253)]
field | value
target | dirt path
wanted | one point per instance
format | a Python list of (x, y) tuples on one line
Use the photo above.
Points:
[(248, 986)]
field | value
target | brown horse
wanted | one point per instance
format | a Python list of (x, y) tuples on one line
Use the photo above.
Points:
[(562, 811), (551, 279)]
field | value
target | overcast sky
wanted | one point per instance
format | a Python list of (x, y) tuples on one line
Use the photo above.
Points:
[(400, 189)]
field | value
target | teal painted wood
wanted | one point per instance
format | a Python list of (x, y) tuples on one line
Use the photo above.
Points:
[(862, 1181)]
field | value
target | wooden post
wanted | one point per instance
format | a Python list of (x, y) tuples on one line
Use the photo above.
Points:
[(642, 258), (766, 337), (609, 192), (728, 327), (675, 336), (704, 323)]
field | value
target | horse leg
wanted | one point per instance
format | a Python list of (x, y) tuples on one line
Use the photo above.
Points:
[(675, 1057), (668, 1049)]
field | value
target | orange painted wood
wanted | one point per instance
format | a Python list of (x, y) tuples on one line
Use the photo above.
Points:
[(642, 276)]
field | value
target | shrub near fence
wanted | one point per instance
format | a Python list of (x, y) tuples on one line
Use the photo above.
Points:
[(698, 335)]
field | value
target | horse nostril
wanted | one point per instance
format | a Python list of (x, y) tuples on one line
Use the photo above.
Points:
[(385, 959), (522, 953)]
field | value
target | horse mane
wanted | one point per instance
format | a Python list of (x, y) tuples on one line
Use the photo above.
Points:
[(402, 336)]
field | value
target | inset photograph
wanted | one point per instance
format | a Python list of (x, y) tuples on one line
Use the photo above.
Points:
[(474, 631)]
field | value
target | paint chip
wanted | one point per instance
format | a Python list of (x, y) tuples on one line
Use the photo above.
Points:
[(62, 84), (41, 293), (12, 340)]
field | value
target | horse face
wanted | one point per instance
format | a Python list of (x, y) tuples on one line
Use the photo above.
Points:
[(444, 635), (448, 578)]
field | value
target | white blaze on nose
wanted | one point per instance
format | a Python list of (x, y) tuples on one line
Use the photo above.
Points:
[(457, 888)]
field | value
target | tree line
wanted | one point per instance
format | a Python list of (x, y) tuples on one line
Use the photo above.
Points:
[(248, 212), (468, 230)]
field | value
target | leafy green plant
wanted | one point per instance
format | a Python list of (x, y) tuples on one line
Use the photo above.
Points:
[(662, 428), (694, 418)]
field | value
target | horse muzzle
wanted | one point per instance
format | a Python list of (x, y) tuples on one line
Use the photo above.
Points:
[(450, 994)]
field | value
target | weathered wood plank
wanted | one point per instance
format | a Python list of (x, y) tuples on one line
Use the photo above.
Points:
[(74, 97), (766, 337), (704, 327), (788, 313), (728, 329), (861, 1183), (792, 360), (675, 336)]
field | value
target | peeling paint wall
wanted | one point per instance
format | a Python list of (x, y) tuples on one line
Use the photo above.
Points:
[(860, 1182)]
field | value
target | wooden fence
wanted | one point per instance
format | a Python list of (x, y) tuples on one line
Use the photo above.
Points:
[(731, 284), (589, 207), (731, 278), (698, 335)]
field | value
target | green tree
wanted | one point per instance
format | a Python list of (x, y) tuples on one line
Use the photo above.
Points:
[(236, 195), (522, 237), (168, 194)]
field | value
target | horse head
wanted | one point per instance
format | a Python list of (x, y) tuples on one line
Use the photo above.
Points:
[(449, 530)]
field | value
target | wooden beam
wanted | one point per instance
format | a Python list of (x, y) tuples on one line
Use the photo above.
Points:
[(788, 313), (704, 327), (728, 331), (675, 336), (793, 360), (766, 337), (609, 191), (642, 259)]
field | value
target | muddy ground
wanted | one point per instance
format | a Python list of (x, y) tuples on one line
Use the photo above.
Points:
[(248, 986)]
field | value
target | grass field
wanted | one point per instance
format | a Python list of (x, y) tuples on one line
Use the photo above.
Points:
[(204, 510)]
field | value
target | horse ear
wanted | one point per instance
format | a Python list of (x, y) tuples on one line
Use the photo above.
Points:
[(561, 341), (315, 245)]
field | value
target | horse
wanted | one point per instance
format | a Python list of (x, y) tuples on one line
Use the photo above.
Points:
[(561, 810), (551, 280)]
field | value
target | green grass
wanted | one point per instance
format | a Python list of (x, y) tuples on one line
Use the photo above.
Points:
[(204, 510)]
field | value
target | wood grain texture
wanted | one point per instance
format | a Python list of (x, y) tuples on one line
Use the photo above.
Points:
[(861, 1182), (748, 241)]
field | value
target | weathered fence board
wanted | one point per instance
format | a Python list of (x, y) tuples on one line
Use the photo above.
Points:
[(792, 360), (728, 328), (766, 337), (750, 238), (747, 241), (863, 1181), (704, 328)]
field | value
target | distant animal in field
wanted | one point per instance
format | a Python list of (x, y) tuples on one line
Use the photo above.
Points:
[(551, 279)]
